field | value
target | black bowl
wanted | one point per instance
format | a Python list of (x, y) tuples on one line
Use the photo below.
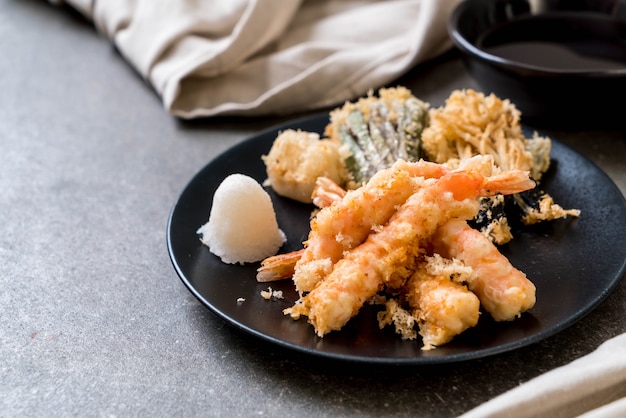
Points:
[(562, 63)]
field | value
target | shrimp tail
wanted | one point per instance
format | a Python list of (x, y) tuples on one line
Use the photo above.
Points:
[(326, 192), (471, 184), (506, 183), (278, 267)]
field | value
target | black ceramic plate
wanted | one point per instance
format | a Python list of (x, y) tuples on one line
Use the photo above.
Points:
[(574, 263)]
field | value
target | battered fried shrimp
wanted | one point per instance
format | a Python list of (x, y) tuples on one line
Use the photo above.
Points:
[(388, 255), (504, 291), (345, 224), (283, 266), (327, 239), (443, 305), (348, 223)]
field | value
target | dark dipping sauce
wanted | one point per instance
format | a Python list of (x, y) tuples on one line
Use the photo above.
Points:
[(561, 42)]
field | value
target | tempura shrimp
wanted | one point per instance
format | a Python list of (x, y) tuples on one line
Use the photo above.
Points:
[(388, 255), (346, 223), (283, 266), (504, 291), (441, 303)]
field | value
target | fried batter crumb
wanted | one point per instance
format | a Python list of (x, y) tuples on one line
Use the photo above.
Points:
[(402, 319), (270, 293), (498, 231), (547, 210)]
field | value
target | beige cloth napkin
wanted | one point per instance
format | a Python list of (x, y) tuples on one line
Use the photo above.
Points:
[(254, 57), (593, 386)]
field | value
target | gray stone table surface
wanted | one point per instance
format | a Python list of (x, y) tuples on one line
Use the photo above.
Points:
[(93, 318)]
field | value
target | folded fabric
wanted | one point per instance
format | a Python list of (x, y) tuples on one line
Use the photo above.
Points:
[(254, 57), (593, 386)]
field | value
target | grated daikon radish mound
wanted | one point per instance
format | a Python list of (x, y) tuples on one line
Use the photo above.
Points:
[(242, 226)]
